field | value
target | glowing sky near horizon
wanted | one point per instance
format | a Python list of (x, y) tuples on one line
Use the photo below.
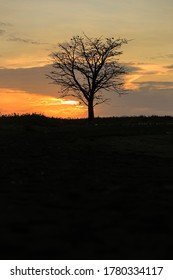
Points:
[(31, 29)]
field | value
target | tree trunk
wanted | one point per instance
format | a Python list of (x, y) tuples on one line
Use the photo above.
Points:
[(90, 110)]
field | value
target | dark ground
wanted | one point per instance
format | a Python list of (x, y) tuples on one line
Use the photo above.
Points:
[(74, 190)]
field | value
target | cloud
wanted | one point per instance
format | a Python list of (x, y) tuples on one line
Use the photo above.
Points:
[(169, 66), (31, 80), (162, 56), (132, 68), (149, 97), (5, 23), (26, 41), (2, 32), (170, 55), (143, 68), (154, 85), (3, 27), (147, 100)]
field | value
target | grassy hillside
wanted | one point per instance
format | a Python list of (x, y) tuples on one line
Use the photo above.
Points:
[(70, 189)]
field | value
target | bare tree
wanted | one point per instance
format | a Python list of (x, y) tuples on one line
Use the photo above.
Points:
[(84, 67)]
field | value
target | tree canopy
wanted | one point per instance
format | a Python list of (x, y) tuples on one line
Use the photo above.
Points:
[(87, 67)]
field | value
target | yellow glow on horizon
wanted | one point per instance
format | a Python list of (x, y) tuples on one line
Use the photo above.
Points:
[(21, 102)]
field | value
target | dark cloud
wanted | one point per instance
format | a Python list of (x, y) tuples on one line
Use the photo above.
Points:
[(149, 72), (157, 57), (152, 85), (5, 23), (2, 32), (146, 101), (169, 66), (170, 55), (32, 80), (26, 41), (132, 68)]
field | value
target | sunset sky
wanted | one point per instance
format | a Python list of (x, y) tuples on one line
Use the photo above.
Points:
[(31, 29)]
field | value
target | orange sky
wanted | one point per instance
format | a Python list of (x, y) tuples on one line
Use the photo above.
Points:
[(21, 102)]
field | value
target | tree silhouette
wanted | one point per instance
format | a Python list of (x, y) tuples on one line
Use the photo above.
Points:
[(84, 67)]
